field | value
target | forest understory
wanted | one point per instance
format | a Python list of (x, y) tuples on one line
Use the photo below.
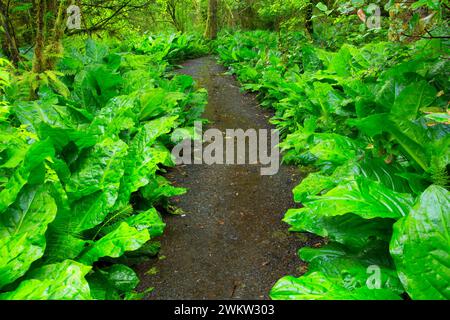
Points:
[(96, 95)]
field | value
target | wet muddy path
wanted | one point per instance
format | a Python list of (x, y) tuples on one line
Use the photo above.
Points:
[(230, 242)]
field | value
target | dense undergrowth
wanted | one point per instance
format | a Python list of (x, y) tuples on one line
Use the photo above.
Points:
[(83, 146), (371, 124), (80, 165)]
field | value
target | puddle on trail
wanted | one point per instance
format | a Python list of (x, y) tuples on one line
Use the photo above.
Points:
[(231, 244)]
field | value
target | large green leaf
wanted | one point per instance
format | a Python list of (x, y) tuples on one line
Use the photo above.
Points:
[(100, 170), (421, 246), (317, 286), (35, 156), (93, 189), (60, 124), (363, 197), (109, 283), (150, 220), (414, 97), (95, 86), (156, 102), (116, 243), (143, 158), (328, 100), (313, 184), (160, 188), (117, 116), (354, 268), (121, 277), (13, 146), (373, 168), (412, 136), (22, 231), (348, 229), (63, 241), (333, 149), (61, 281)]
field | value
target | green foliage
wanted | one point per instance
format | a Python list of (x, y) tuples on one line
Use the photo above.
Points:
[(337, 273), (23, 227), (285, 14), (80, 164), (420, 245), (317, 286), (373, 122), (59, 281), (172, 48), (80, 171)]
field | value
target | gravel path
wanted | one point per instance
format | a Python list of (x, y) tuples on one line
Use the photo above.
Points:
[(231, 243)]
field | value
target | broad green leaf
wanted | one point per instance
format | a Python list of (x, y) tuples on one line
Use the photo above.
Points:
[(109, 283), (150, 220), (342, 61), (22, 231), (347, 229), (35, 156), (160, 188), (421, 246), (321, 6), (328, 100), (60, 124), (156, 102), (411, 136), (100, 170), (378, 170), (371, 266), (93, 189), (372, 125), (331, 148), (63, 242), (310, 59), (371, 168), (117, 116), (414, 97), (317, 286), (143, 159), (363, 197), (83, 214), (95, 86), (14, 147), (60, 281), (313, 184), (121, 277), (115, 244)]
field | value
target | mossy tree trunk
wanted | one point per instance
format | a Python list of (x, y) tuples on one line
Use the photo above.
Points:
[(212, 23), (309, 25), (9, 43), (38, 59), (54, 49), (47, 50)]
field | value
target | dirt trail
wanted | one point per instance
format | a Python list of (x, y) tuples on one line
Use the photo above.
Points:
[(231, 243)]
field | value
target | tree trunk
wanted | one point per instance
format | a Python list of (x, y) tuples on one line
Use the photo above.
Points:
[(38, 59), (54, 48), (212, 25), (10, 43), (308, 19), (171, 9)]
